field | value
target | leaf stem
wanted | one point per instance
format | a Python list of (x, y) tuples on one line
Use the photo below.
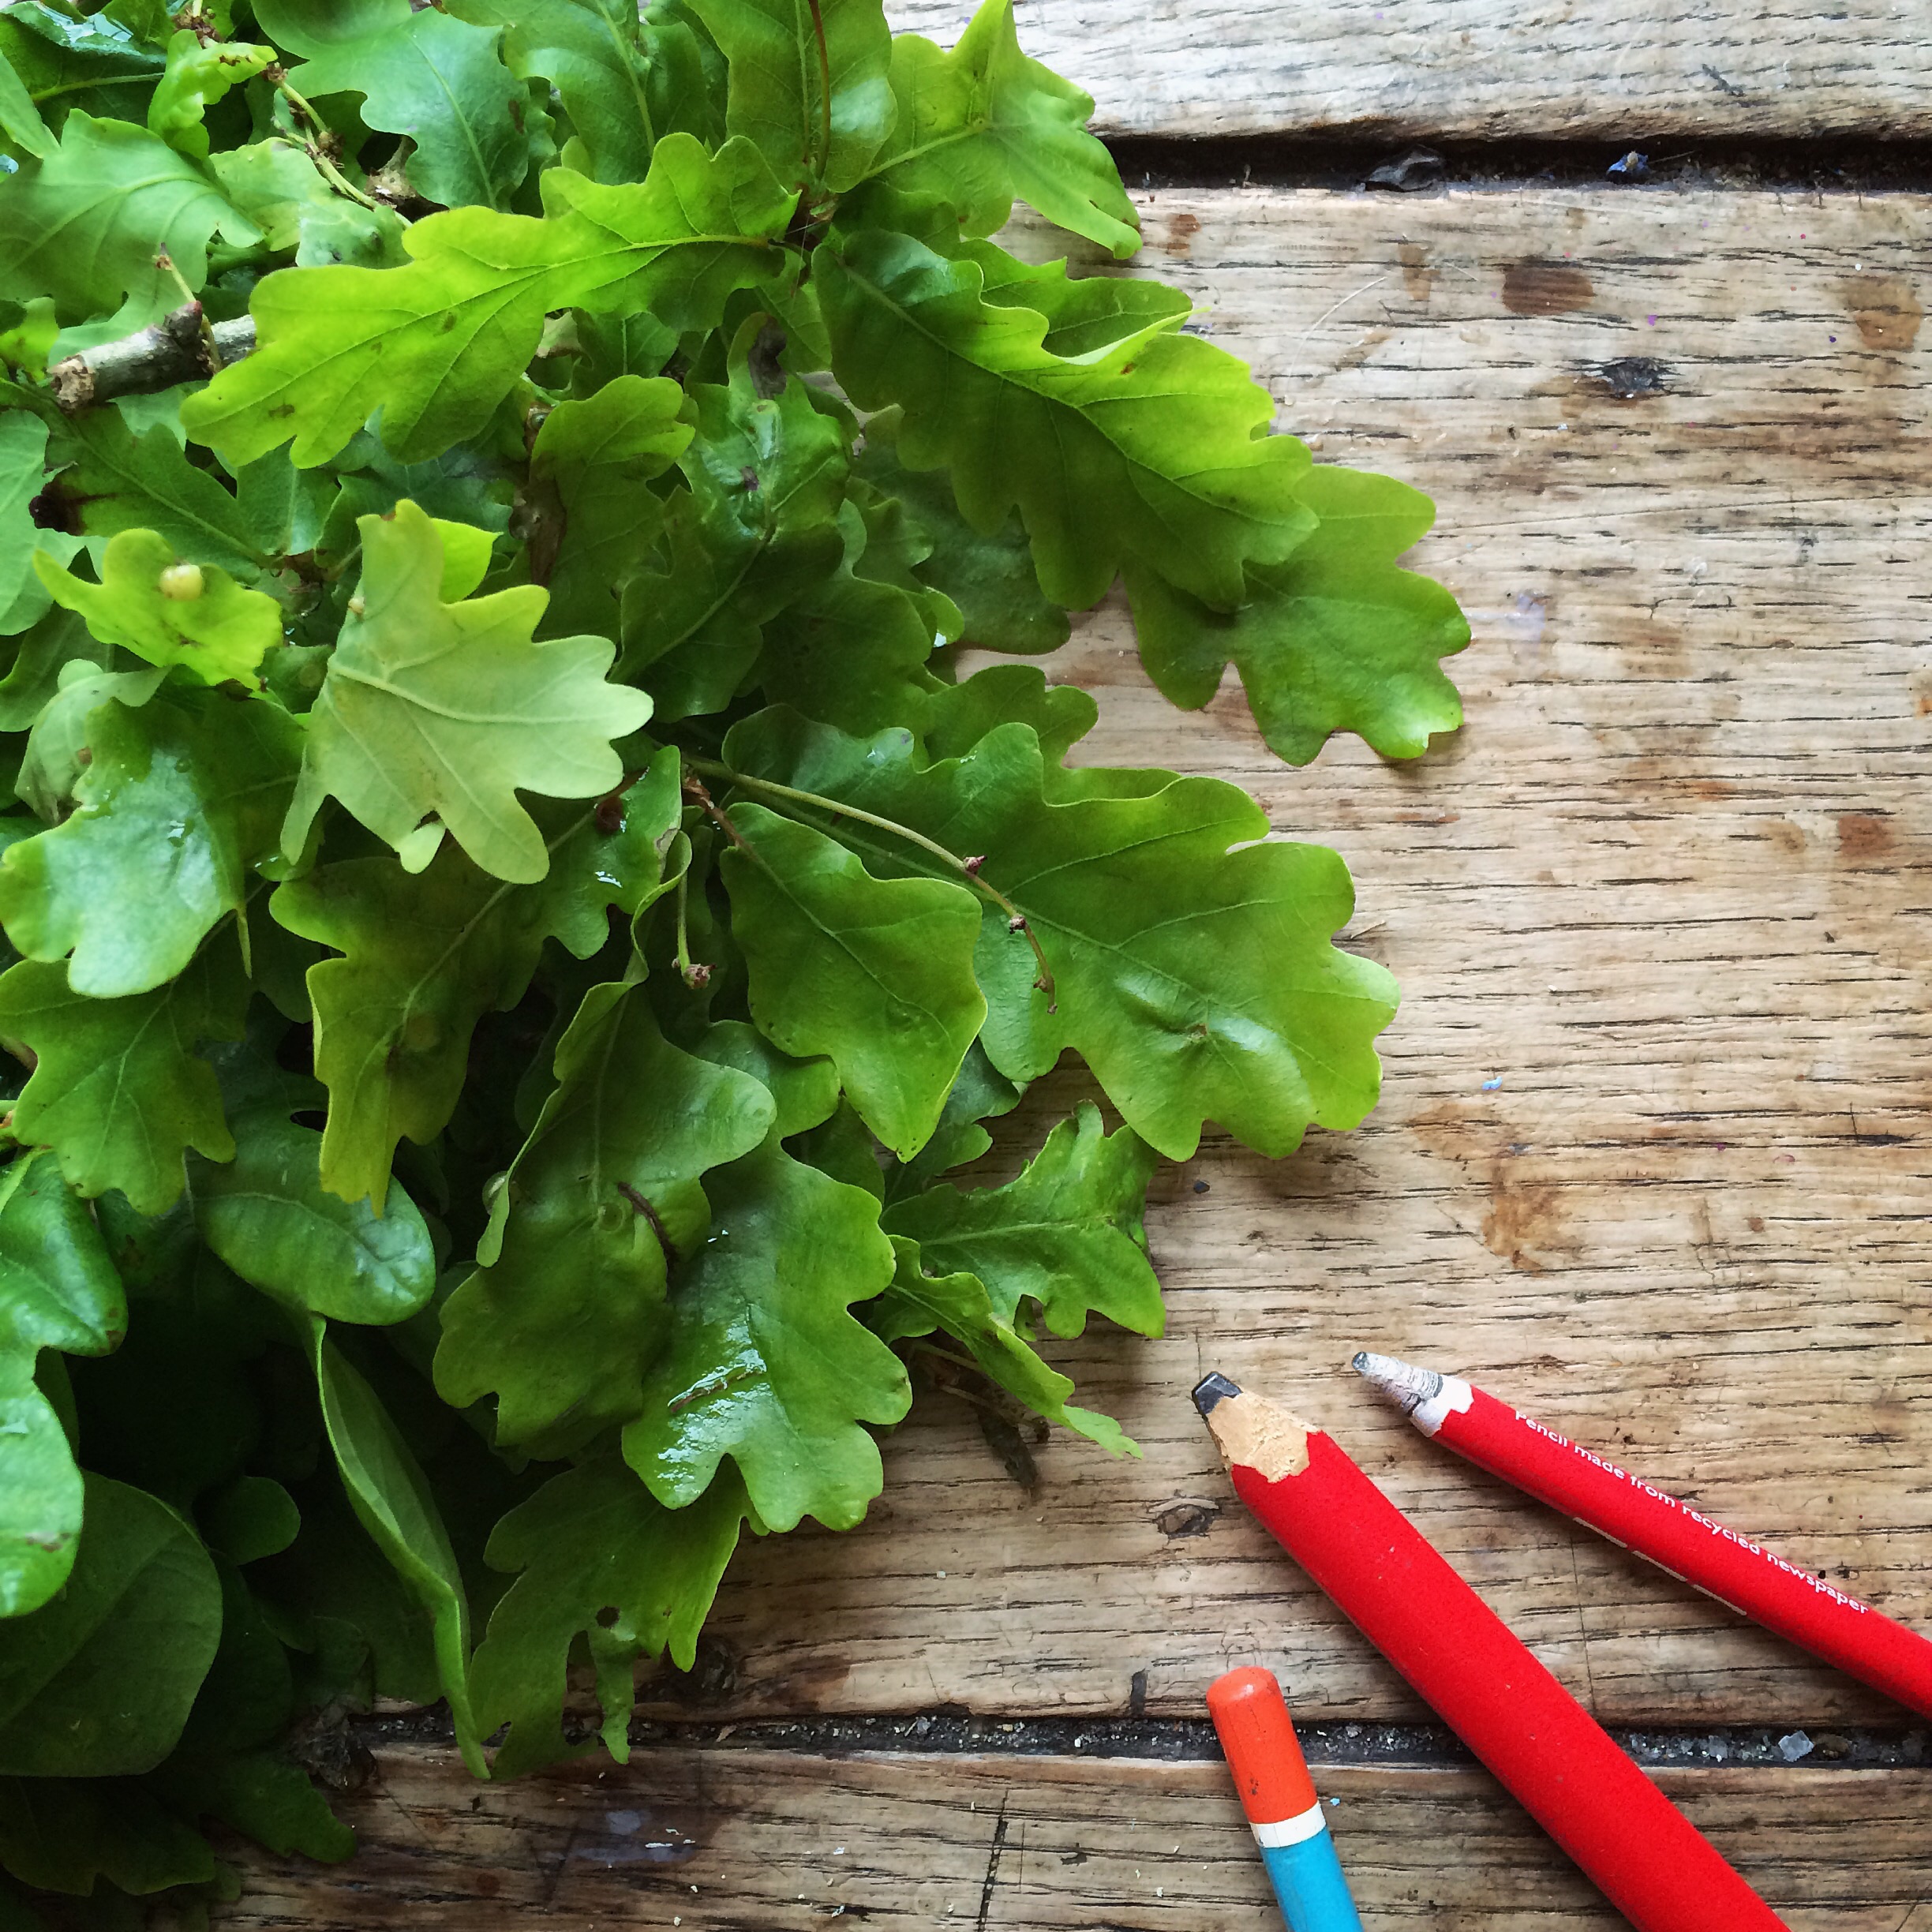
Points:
[(825, 86), (693, 975), (318, 128), (694, 789), (967, 869)]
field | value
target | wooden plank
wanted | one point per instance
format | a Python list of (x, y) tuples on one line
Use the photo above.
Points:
[(1652, 1156), (726, 1840), (1629, 72)]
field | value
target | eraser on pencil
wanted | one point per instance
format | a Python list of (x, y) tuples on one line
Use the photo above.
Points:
[(1271, 1780), (1258, 1736)]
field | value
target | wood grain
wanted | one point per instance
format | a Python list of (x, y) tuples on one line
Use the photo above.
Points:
[(1633, 73), (1653, 1155), (729, 1840)]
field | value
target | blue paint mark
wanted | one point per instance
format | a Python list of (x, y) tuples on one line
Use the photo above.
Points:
[(1490, 1086)]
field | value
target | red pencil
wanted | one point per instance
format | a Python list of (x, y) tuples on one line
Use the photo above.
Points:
[(1863, 1642), (1650, 1861)]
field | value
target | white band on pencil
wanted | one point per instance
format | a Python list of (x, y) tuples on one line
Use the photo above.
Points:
[(1296, 1830), (1425, 1395)]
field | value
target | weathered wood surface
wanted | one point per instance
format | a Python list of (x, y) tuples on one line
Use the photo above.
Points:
[(1632, 72), (1653, 1156), (730, 1841)]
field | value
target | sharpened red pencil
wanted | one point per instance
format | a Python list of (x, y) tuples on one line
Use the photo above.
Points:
[(1651, 1862), (1863, 1642)]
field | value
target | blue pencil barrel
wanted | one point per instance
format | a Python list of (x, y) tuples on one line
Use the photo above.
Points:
[(1308, 1880)]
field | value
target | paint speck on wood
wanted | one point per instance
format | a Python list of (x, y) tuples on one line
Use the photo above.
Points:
[(1418, 277), (1886, 310), (1864, 835), (1541, 288)]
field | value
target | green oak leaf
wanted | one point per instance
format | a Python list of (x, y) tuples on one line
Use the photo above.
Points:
[(598, 1557), (566, 1313), (168, 611), (181, 799), (449, 710), (265, 1797), (424, 958), (247, 1699), (982, 124), (591, 519), (806, 1092), (599, 55), (854, 650), (285, 508), (253, 1519), (199, 73), (1066, 1234), (33, 681), (23, 476), (275, 184), (436, 345), (921, 1300), (119, 1089), (267, 1213), (62, 64), (844, 1147), (85, 225), (1196, 979), (1336, 638), (63, 721), (875, 974), (58, 1290), (98, 1682), (1146, 448), (757, 528), (1058, 715), (810, 83), (19, 119), (691, 70), (765, 1362), (393, 1501), (335, 1579), (437, 80), (114, 480), (31, 602), (989, 579), (41, 1500), (69, 1834), (979, 1093)]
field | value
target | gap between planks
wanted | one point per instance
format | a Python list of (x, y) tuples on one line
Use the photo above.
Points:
[(724, 1840)]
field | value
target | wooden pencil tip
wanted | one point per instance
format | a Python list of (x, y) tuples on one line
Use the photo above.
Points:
[(1212, 1389), (1251, 1431)]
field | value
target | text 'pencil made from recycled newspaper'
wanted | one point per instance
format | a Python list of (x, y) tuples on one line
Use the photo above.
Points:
[(1863, 1642), (1647, 1858)]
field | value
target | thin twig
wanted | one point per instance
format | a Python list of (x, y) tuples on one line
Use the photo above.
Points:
[(967, 869), (191, 305), (177, 349)]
